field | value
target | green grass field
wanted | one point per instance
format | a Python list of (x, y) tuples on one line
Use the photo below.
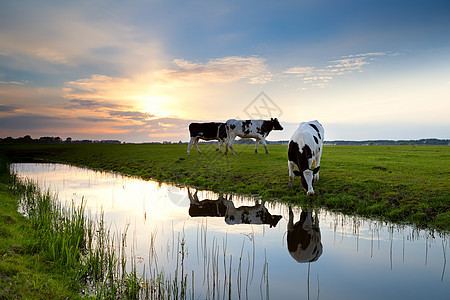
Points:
[(25, 268), (407, 184)]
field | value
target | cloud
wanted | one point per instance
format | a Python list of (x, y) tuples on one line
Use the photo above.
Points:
[(100, 91), (162, 92), (14, 83), (8, 108), (96, 120), (226, 69), (84, 103), (184, 73), (91, 104), (29, 122), (132, 115), (320, 77), (125, 128), (44, 40)]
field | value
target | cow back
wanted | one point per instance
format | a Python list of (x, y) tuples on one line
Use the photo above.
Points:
[(211, 130)]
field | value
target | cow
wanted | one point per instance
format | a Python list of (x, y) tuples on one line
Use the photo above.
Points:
[(207, 208), (257, 214), (207, 131), (305, 149), (303, 238), (257, 129)]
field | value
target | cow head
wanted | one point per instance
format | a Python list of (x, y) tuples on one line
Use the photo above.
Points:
[(276, 125), (307, 178)]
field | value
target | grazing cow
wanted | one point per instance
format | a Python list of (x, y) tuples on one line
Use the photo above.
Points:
[(305, 149), (207, 208), (257, 129), (303, 238), (257, 214), (207, 131)]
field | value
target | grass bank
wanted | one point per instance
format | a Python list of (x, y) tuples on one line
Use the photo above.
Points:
[(25, 270), (407, 184), (53, 251)]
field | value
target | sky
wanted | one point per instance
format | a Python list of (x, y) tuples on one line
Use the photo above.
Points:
[(141, 71)]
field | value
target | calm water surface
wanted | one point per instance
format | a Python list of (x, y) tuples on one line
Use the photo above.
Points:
[(261, 250)]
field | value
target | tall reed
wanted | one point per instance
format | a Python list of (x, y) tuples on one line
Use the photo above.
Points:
[(66, 235)]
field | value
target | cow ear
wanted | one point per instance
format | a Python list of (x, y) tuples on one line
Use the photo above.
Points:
[(271, 119), (316, 170), (297, 173)]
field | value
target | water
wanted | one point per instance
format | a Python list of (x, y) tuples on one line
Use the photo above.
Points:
[(325, 256)]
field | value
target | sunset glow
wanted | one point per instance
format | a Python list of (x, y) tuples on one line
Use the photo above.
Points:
[(141, 72)]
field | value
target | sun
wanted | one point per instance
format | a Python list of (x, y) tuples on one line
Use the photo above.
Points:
[(155, 105)]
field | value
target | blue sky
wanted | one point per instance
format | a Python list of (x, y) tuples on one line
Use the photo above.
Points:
[(141, 71)]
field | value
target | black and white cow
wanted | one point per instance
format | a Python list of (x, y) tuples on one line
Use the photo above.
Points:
[(303, 238), (257, 214), (257, 129), (305, 149), (207, 131), (207, 207)]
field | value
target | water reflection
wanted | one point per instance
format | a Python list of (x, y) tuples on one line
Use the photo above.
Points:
[(256, 214), (303, 237), (250, 260), (207, 207)]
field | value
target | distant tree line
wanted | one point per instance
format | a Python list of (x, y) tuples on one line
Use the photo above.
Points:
[(391, 142), (57, 140), (53, 140), (356, 143)]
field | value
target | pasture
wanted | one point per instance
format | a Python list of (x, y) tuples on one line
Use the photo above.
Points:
[(404, 184)]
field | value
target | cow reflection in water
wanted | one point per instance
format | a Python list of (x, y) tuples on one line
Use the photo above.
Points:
[(224, 207), (257, 214), (303, 237), (207, 208)]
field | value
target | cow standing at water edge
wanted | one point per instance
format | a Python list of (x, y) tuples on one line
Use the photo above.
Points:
[(305, 149), (257, 129), (207, 131)]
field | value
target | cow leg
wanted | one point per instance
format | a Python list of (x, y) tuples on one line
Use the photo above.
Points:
[(220, 145), (190, 145), (230, 143), (317, 164), (291, 172), (264, 144), (256, 145), (226, 142), (196, 145)]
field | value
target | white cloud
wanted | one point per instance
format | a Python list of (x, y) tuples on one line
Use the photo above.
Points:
[(320, 77), (14, 82), (226, 69)]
